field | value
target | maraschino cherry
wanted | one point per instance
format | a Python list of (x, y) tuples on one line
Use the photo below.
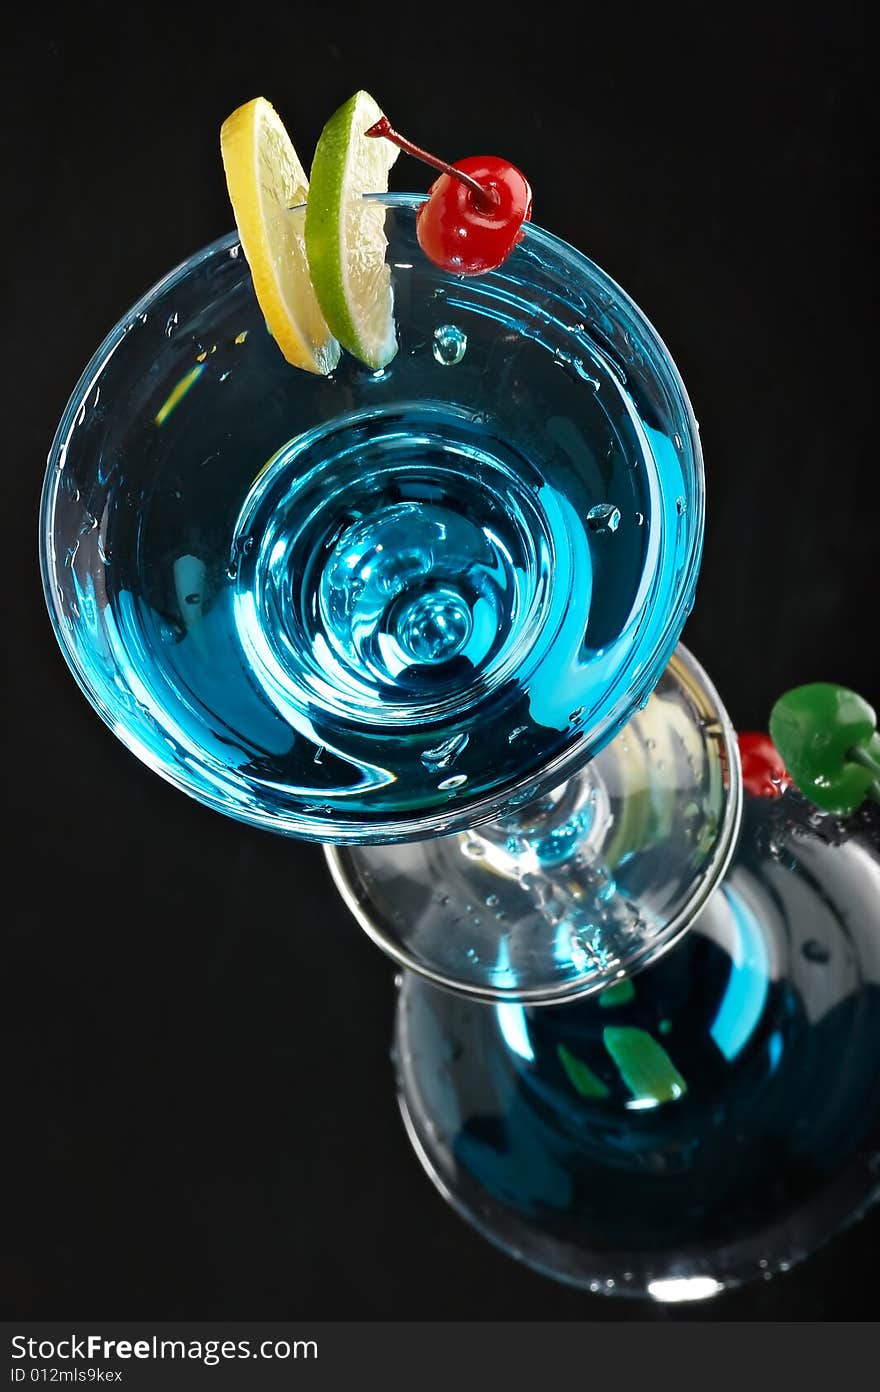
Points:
[(475, 211), (763, 772)]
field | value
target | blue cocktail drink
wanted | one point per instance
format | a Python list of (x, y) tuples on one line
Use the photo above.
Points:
[(379, 604)]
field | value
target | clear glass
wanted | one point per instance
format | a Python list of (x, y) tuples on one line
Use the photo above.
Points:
[(588, 884), (375, 606)]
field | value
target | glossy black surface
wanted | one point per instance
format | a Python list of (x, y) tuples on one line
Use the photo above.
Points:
[(200, 1118)]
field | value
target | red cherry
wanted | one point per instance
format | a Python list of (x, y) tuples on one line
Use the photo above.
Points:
[(763, 772), (466, 235), (475, 211)]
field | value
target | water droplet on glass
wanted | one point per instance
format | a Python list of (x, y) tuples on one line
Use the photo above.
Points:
[(171, 324), (515, 734), (449, 346), (491, 901), (640, 519), (577, 713), (450, 784), (604, 517), (473, 848), (444, 754), (584, 374), (815, 951), (680, 506)]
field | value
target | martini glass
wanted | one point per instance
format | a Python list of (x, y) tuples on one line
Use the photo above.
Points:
[(410, 612)]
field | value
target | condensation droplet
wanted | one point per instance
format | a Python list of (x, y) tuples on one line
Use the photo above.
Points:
[(449, 345), (815, 951), (450, 784), (604, 517), (680, 506), (474, 849), (445, 754), (584, 374)]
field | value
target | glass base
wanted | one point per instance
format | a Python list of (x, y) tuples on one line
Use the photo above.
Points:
[(712, 1120), (580, 888)]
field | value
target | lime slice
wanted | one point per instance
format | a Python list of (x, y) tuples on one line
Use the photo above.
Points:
[(265, 180), (345, 236)]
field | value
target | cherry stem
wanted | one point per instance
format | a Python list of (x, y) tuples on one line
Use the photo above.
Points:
[(859, 755), (485, 198)]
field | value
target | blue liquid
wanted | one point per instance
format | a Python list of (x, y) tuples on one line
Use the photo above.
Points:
[(721, 1091), (372, 603)]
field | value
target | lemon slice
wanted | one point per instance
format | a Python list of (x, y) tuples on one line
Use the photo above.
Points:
[(345, 237), (265, 180)]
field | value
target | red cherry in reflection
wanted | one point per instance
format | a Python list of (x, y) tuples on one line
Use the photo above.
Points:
[(763, 772), (468, 235), (475, 211)]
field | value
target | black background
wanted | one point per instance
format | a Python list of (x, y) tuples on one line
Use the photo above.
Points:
[(199, 1105)]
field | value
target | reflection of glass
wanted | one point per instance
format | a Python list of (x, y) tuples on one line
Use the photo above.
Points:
[(709, 1121), (385, 606)]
